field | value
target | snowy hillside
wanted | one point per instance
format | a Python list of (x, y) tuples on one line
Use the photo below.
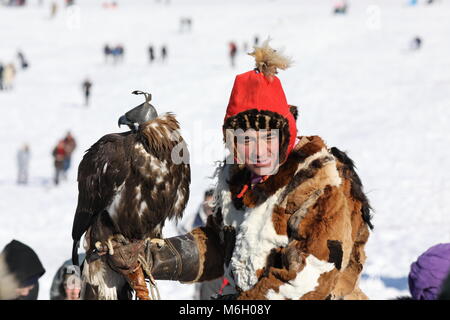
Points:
[(357, 84)]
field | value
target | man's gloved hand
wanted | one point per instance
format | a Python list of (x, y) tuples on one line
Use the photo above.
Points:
[(175, 258), (126, 256)]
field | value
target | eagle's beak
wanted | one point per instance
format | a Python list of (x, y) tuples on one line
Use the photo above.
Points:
[(123, 120)]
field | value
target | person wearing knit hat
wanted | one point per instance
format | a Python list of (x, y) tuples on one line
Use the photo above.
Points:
[(290, 217), (429, 272)]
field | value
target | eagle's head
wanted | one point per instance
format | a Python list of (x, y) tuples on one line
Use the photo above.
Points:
[(140, 114)]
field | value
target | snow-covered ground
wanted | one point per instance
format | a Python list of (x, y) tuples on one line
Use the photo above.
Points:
[(356, 82)]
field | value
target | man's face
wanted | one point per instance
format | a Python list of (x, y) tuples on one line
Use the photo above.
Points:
[(72, 294), (259, 150), (72, 287), (24, 291)]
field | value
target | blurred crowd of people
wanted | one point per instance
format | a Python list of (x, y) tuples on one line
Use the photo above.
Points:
[(14, 3), (114, 53), (8, 71), (62, 156), (20, 3), (185, 24), (152, 55), (110, 4)]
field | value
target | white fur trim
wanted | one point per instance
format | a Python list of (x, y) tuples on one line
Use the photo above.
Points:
[(255, 235), (305, 281)]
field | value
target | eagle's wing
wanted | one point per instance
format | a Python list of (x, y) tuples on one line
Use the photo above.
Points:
[(104, 167)]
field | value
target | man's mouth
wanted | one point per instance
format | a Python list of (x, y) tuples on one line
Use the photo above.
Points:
[(262, 163)]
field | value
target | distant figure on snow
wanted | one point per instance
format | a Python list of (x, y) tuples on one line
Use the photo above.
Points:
[(9, 74), (106, 52), (59, 154), (53, 10), (87, 85), (340, 7), (256, 40), (118, 53), (23, 62), (164, 53), (23, 161), (69, 147), (151, 54), (232, 52), (416, 43), (185, 24), (245, 46)]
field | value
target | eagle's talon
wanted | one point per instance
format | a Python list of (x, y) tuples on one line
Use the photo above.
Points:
[(99, 246), (121, 239), (110, 246), (159, 242)]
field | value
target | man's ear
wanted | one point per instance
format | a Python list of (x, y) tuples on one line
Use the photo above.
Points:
[(294, 111)]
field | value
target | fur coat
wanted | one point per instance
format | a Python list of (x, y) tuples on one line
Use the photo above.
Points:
[(298, 235)]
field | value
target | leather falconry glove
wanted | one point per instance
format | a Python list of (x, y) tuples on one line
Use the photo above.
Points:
[(126, 256), (175, 258)]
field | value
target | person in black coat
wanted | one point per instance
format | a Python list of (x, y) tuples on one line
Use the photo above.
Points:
[(25, 265)]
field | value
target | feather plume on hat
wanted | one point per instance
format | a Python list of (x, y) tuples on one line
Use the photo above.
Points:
[(269, 60)]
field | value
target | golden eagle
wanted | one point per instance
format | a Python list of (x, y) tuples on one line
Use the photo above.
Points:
[(129, 183)]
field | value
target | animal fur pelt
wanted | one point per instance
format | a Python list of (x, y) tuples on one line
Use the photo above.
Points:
[(298, 235)]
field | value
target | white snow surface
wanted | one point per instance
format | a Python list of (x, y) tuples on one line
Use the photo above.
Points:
[(354, 79)]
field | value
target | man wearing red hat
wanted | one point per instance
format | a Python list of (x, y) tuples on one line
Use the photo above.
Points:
[(290, 220)]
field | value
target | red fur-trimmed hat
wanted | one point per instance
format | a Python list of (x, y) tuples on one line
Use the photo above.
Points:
[(258, 101)]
